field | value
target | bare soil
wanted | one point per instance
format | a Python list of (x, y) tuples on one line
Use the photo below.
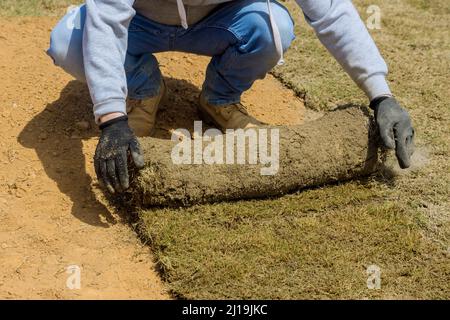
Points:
[(52, 213)]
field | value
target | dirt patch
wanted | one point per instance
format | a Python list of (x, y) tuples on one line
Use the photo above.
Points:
[(52, 213), (50, 216)]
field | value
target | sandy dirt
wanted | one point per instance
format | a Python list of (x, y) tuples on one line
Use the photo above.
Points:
[(52, 213)]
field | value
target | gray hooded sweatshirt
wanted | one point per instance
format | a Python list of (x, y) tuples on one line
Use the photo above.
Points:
[(336, 23)]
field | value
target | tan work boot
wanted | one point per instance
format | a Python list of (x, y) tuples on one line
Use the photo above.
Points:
[(142, 113), (232, 116)]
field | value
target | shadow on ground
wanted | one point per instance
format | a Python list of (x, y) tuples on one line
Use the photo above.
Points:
[(60, 133)]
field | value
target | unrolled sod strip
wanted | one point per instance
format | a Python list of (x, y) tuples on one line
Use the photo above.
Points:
[(341, 145)]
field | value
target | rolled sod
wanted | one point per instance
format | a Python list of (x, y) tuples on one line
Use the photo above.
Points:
[(341, 145)]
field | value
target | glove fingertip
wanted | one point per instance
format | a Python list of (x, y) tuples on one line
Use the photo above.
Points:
[(138, 160), (110, 189), (389, 143), (404, 161), (405, 165)]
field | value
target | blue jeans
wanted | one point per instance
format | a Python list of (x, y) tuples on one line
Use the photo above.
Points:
[(237, 35)]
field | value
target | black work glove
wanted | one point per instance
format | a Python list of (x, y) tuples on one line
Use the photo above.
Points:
[(395, 128), (111, 156)]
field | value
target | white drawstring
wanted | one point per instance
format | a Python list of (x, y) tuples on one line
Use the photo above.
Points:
[(273, 25), (276, 35), (182, 14)]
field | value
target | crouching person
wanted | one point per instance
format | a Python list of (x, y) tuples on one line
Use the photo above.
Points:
[(110, 44)]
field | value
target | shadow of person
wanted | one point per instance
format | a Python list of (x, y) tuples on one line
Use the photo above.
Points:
[(57, 134), (179, 109)]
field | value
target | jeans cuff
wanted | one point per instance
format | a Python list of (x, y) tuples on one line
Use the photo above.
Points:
[(220, 101), (145, 94)]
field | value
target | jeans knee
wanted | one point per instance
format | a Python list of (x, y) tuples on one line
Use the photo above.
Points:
[(59, 45), (286, 28), (143, 76), (261, 36), (66, 43)]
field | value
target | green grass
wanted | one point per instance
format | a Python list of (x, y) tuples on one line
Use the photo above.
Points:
[(35, 7), (319, 243)]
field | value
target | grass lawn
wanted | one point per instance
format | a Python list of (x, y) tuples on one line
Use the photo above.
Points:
[(35, 7), (319, 243)]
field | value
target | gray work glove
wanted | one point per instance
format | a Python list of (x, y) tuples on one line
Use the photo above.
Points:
[(395, 128), (116, 143)]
